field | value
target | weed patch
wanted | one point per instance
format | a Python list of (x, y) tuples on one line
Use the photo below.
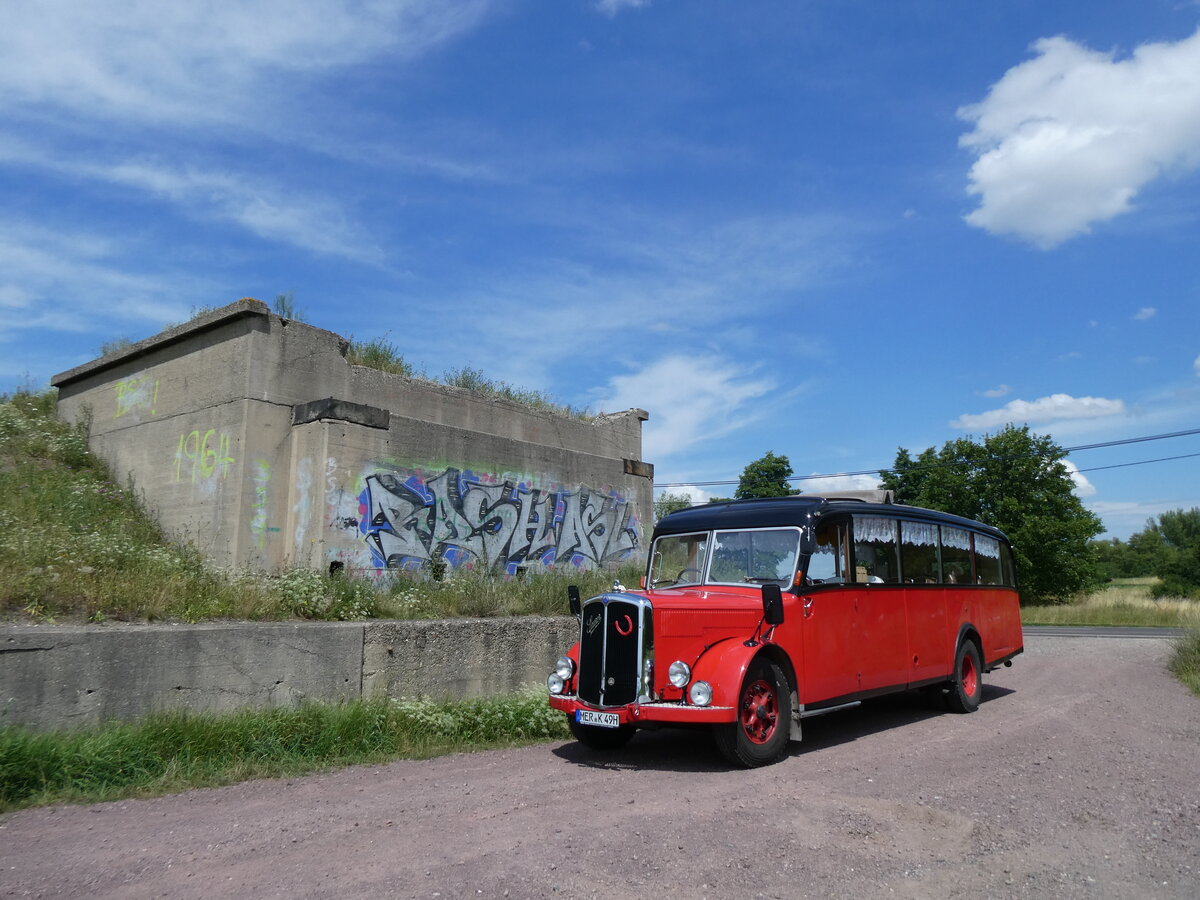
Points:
[(1185, 661), (177, 751)]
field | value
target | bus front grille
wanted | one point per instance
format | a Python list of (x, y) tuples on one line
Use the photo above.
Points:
[(614, 641)]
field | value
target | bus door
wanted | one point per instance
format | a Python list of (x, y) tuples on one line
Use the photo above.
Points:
[(830, 668), (920, 558), (882, 627)]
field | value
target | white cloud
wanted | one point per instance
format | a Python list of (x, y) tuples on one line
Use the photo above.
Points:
[(1068, 138), (611, 7), (690, 399), (1083, 487), (831, 483), (998, 391), (156, 62), (1146, 312), (1045, 409), (1196, 365)]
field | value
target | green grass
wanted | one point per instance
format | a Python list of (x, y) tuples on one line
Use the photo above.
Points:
[(170, 752), (474, 380), (75, 547), (1185, 662), (1125, 601), (378, 353)]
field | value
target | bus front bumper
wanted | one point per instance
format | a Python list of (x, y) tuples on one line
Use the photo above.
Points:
[(644, 713)]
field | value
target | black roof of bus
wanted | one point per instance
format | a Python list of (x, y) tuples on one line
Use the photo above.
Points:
[(799, 510)]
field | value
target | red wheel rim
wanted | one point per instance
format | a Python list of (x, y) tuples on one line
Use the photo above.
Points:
[(759, 714), (970, 675)]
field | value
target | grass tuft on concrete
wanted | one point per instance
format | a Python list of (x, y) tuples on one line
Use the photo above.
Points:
[(170, 752)]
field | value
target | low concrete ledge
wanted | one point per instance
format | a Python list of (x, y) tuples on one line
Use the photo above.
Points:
[(58, 676), (462, 657), (62, 676)]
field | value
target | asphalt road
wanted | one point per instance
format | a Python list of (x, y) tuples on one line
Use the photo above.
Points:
[(1079, 776)]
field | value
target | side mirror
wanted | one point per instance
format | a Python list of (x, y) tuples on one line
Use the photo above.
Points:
[(573, 601), (772, 604)]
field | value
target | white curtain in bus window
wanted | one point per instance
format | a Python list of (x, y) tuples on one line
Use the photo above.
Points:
[(987, 560), (919, 553), (875, 551), (956, 556)]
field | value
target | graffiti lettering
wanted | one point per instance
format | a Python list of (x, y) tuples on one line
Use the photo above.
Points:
[(407, 519), (138, 392), (262, 478), (207, 453)]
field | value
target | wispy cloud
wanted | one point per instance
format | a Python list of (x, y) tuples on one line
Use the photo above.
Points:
[(1054, 408), (689, 399), (1070, 137), (1146, 312), (155, 62), (1196, 365), (998, 391), (611, 7), (272, 212)]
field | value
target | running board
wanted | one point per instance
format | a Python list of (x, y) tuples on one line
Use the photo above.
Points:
[(809, 713)]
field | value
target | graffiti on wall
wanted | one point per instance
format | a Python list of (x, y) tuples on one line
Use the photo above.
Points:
[(201, 455), (138, 392), (262, 481), (408, 517)]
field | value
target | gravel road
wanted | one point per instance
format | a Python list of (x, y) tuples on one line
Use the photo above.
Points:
[(1079, 776)]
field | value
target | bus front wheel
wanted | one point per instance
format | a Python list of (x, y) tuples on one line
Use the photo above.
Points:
[(759, 737), (966, 686)]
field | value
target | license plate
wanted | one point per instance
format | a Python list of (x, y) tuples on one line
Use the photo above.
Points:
[(603, 720)]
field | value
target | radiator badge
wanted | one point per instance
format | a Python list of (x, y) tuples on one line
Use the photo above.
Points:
[(593, 623)]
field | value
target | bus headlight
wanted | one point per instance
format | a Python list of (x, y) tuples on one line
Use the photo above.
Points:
[(679, 674), (555, 683), (701, 693), (564, 668)]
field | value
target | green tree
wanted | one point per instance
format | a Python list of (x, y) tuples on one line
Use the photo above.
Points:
[(1178, 561), (1017, 482), (667, 503), (766, 477)]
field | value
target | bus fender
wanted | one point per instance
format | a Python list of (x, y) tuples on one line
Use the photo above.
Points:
[(724, 667)]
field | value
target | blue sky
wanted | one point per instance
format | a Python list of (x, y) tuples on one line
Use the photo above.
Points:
[(826, 229)]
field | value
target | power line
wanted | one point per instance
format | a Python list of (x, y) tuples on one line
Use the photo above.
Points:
[(1066, 450)]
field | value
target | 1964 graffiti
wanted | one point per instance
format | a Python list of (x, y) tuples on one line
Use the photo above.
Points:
[(407, 518)]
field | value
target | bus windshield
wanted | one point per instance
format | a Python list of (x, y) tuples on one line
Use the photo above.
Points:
[(749, 556)]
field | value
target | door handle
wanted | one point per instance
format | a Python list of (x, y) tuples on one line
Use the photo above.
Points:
[(808, 602)]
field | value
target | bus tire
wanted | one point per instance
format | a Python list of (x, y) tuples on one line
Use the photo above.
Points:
[(759, 737), (966, 686), (600, 738)]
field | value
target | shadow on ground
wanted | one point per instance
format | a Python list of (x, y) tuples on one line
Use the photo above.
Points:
[(693, 749)]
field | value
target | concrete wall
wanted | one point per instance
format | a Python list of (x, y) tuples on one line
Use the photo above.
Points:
[(251, 437), (65, 676)]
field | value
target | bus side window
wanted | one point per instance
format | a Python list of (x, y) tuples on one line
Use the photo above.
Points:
[(876, 556), (919, 553), (827, 563), (956, 556)]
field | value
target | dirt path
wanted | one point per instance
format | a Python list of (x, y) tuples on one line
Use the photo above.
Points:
[(1078, 777)]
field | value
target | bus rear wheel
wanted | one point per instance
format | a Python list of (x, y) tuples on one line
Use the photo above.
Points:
[(759, 737), (966, 687)]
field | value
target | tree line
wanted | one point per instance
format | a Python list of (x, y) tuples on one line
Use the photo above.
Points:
[(1018, 482)]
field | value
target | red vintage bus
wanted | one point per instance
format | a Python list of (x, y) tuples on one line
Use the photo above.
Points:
[(757, 614)]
